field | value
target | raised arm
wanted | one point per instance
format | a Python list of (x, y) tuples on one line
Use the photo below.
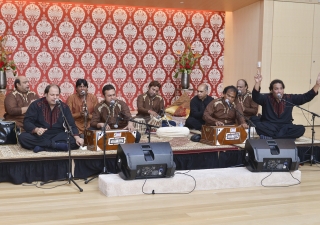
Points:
[(317, 85), (257, 79)]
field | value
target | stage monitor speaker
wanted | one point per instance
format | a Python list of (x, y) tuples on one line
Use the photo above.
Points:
[(145, 160), (278, 155)]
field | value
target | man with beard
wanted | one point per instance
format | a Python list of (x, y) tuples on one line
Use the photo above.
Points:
[(17, 102)]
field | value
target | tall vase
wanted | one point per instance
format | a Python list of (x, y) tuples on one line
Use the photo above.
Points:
[(185, 80), (3, 80)]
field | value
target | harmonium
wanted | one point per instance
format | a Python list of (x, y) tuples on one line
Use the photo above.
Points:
[(95, 140), (223, 135)]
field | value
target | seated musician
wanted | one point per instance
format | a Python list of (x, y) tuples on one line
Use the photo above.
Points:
[(197, 106), (45, 126), (113, 113), (219, 113), (81, 105), (17, 102), (276, 119), (249, 107), (150, 103)]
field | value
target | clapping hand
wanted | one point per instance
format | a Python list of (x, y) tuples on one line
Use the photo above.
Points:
[(318, 79), (258, 78)]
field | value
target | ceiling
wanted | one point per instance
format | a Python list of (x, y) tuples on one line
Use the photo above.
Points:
[(212, 5)]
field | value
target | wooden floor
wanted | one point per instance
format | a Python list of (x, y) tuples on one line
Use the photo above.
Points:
[(260, 205)]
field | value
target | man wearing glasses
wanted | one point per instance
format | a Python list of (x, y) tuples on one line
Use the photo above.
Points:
[(197, 106)]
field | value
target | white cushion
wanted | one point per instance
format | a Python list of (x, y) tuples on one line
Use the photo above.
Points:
[(173, 132)]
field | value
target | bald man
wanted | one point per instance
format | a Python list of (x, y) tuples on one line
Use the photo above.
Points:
[(17, 102), (197, 106), (249, 107)]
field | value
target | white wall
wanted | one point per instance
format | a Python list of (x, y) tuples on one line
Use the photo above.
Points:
[(242, 44)]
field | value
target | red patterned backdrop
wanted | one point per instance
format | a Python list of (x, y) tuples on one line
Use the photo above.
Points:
[(106, 44)]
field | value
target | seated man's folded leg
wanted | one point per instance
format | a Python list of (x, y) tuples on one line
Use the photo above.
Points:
[(266, 129), (60, 142), (193, 123), (291, 131), (30, 141)]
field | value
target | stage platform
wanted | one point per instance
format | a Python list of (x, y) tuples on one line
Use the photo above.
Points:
[(198, 180), (18, 165)]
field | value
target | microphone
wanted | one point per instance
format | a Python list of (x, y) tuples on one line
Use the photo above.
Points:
[(279, 96), (82, 93), (112, 103), (228, 103), (239, 92), (58, 102), (116, 125)]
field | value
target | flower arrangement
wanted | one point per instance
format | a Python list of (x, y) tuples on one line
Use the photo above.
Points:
[(187, 61), (6, 64)]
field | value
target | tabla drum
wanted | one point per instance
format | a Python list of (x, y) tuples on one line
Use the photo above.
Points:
[(113, 138), (154, 121), (138, 126)]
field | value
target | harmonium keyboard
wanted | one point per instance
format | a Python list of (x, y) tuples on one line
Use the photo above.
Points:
[(223, 135), (95, 140)]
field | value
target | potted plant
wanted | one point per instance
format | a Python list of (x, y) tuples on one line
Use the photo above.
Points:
[(5, 63), (186, 61)]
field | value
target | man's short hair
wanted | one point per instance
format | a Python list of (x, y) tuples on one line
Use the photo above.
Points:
[(107, 87), (276, 81), (81, 81), (232, 88), (16, 81), (47, 89), (155, 84)]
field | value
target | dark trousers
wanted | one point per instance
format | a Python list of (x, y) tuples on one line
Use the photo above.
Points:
[(193, 123), (277, 131), (29, 141)]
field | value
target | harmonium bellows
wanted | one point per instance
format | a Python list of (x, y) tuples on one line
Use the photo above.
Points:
[(223, 135), (94, 139)]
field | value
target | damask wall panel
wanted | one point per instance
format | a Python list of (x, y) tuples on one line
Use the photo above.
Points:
[(106, 44)]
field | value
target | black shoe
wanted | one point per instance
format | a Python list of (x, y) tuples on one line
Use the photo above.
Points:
[(38, 149)]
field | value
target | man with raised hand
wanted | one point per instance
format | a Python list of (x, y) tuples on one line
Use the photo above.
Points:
[(276, 119)]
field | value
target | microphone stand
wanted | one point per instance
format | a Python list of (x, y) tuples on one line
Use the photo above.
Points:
[(247, 120), (85, 117), (147, 125), (69, 131), (104, 170), (312, 129)]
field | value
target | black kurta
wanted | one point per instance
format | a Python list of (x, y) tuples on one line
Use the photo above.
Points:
[(39, 114), (197, 107), (276, 119)]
